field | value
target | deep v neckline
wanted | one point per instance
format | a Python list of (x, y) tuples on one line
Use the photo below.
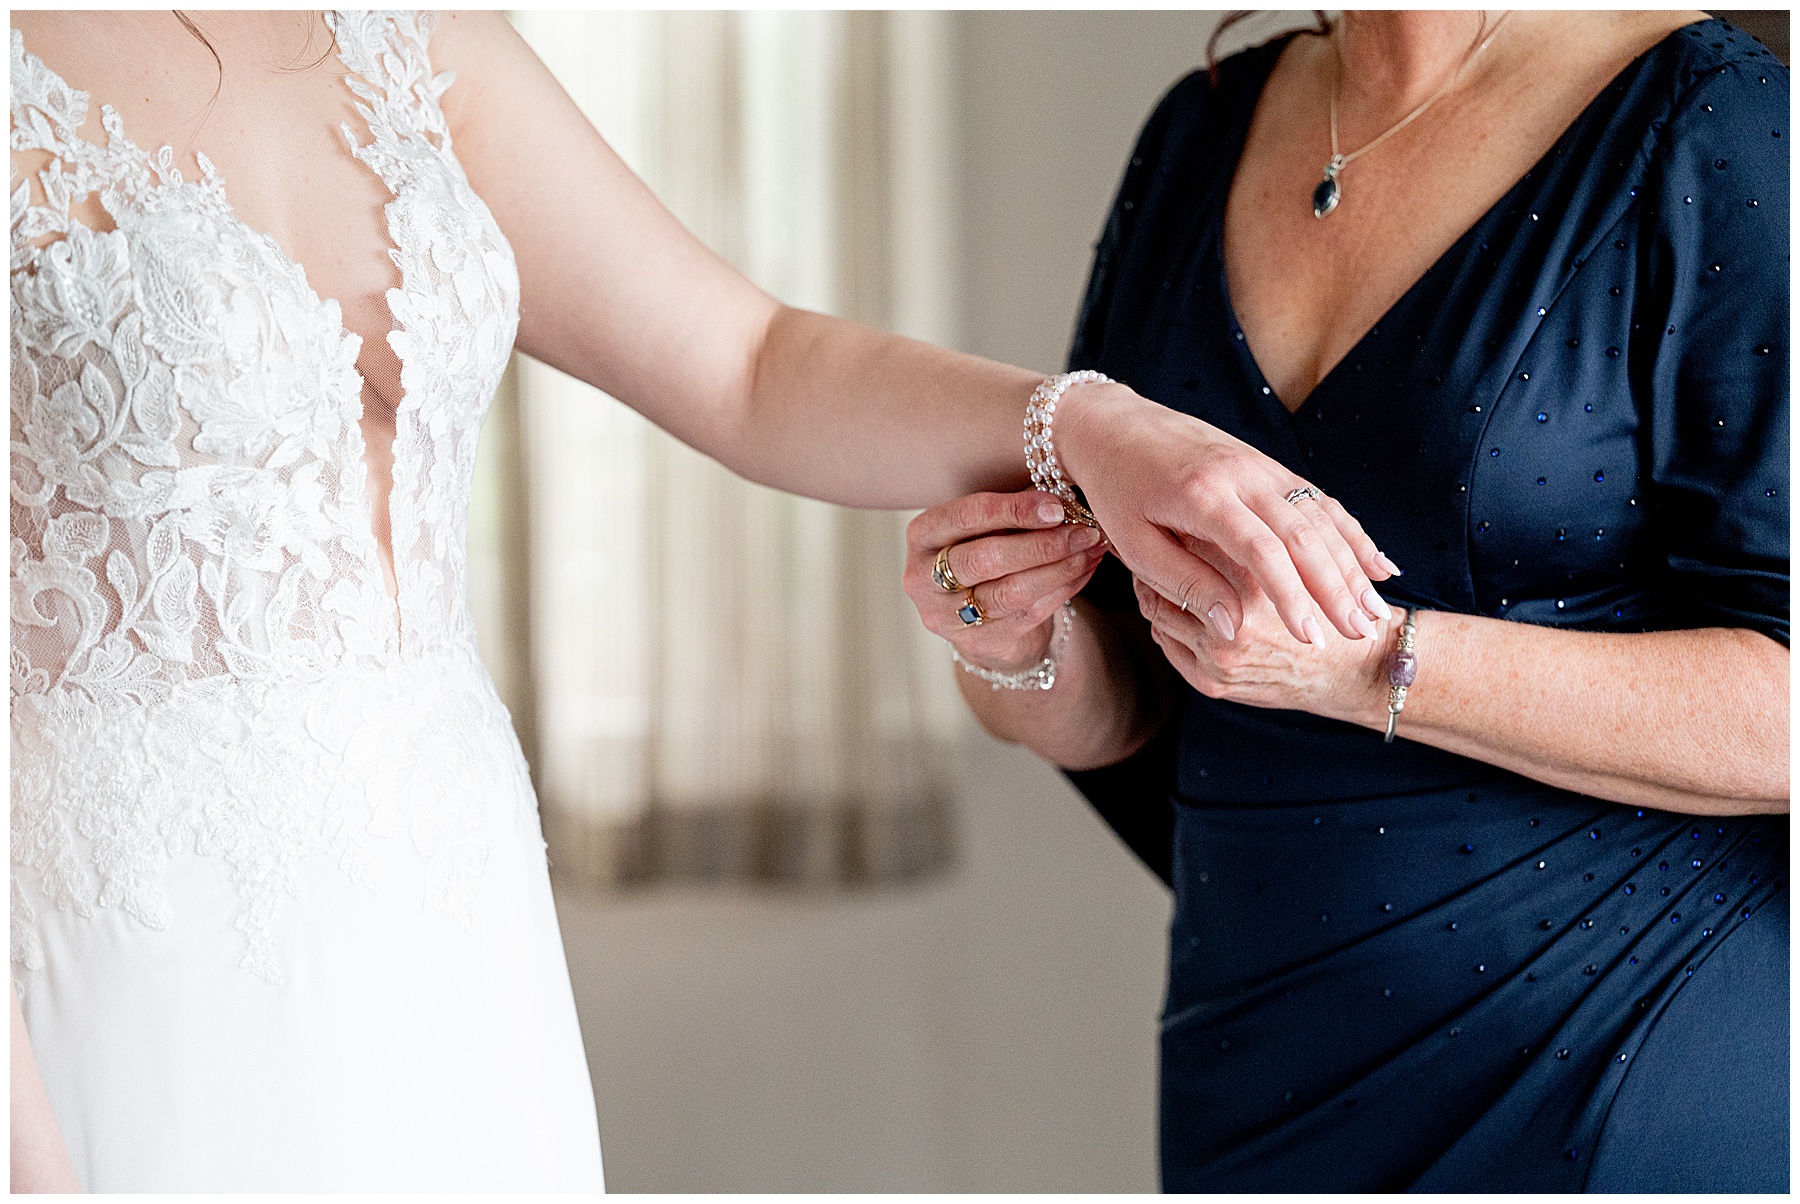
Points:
[(321, 305), (1458, 246)]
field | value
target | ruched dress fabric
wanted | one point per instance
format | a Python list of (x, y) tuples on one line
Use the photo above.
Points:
[(281, 915), (1391, 967)]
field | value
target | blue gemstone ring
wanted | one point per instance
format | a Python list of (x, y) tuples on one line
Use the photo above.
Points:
[(970, 611)]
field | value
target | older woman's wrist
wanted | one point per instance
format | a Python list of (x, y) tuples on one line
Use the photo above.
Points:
[(1015, 656), (1371, 680)]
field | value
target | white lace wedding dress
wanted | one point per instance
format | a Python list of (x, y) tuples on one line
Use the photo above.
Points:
[(281, 915)]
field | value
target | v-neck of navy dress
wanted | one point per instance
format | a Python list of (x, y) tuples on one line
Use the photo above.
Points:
[(1392, 967)]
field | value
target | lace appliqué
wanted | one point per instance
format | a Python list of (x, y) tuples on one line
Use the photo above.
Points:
[(194, 580)]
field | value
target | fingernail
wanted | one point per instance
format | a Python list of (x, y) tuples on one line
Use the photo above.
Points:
[(1084, 537), (1221, 619), (1049, 512), (1381, 558), (1309, 627), (1363, 624), (1377, 608)]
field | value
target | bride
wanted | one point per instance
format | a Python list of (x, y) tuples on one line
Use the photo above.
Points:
[(281, 916)]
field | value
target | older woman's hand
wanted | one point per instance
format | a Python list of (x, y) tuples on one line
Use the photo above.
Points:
[(1019, 561), (1264, 666)]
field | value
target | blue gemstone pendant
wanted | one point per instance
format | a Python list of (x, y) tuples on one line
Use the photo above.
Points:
[(1325, 196)]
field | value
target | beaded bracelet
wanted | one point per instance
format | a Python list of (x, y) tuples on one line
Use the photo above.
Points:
[(1040, 676), (1040, 452), (1401, 672)]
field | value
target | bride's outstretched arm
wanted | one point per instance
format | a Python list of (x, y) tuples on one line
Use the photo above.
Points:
[(616, 292)]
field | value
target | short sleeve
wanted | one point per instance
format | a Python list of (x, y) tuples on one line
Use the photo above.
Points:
[(1718, 395), (1090, 326)]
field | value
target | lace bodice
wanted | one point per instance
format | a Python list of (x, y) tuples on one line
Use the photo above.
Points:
[(189, 515), (188, 480)]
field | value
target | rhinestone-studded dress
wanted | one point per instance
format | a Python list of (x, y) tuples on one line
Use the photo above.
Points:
[(281, 919), (1395, 968)]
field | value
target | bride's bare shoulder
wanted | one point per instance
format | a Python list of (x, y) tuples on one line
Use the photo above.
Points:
[(495, 71), (476, 45), (463, 32)]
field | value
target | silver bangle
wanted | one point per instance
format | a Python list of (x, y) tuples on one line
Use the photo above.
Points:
[(1040, 452), (1040, 676)]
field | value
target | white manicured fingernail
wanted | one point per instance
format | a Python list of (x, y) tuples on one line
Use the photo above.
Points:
[(1378, 609), (1049, 512), (1381, 558), (1221, 619), (1309, 627), (1362, 624), (1084, 537)]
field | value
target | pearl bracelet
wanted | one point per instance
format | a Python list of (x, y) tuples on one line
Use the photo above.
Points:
[(1040, 452), (1402, 671), (1040, 676)]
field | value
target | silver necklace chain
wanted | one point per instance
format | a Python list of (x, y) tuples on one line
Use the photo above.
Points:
[(1330, 191)]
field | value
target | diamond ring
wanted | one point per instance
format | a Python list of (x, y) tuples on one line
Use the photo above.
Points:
[(940, 573), (1304, 492)]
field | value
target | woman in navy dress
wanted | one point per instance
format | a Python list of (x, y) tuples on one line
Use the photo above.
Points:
[(1539, 349)]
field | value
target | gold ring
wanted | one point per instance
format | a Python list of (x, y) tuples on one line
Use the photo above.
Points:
[(940, 573), (970, 611)]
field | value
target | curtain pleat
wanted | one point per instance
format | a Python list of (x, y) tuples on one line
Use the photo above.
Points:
[(714, 681)]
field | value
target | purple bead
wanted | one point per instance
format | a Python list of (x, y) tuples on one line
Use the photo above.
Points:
[(1405, 668)]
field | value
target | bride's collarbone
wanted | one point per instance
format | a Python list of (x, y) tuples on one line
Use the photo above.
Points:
[(268, 115)]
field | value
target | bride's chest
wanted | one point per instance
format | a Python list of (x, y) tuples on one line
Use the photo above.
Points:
[(179, 368), (320, 220)]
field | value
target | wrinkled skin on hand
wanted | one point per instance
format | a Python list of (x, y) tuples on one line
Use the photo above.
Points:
[(1263, 665), (1019, 557)]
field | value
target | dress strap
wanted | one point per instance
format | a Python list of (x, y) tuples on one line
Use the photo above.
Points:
[(47, 116), (387, 54), (46, 112)]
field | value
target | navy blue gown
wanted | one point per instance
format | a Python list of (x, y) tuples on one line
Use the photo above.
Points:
[(1396, 968)]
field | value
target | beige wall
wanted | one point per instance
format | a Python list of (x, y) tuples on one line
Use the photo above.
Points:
[(993, 1030)]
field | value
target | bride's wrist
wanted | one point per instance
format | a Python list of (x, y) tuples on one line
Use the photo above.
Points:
[(1081, 416)]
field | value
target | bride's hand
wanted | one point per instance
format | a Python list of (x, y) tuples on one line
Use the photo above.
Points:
[(1152, 475), (1019, 560)]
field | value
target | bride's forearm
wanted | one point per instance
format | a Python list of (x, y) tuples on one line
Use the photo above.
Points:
[(864, 418), (1691, 721)]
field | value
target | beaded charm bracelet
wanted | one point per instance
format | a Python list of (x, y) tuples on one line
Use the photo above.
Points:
[(1040, 452), (1401, 672)]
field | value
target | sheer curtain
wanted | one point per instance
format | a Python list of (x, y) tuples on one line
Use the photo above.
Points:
[(713, 680)]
